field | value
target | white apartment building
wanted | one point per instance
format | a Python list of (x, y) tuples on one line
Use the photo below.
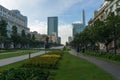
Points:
[(104, 10), (14, 18)]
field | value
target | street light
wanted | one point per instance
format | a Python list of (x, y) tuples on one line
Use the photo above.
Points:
[(46, 43), (115, 37)]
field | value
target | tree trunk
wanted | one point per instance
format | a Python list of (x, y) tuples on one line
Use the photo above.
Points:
[(115, 46), (107, 48)]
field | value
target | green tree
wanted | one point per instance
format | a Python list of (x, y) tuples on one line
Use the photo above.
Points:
[(28, 37), (3, 32), (75, 40), (89, 37), (33, 41), (23, 39), (33, 37), (113, 22), (3, 28), (14, 36), (101, 32)]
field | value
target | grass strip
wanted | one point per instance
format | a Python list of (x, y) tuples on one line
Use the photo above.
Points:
[(12, 65), (17, 53), (75, 68), (72, 68)]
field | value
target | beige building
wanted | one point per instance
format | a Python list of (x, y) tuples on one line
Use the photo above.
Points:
[(104, 10), (53, 38), (102, 13), (43, 37), (38, 36)]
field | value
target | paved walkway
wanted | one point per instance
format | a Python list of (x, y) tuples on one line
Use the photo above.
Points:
[(18, 58), (59, 47), (108, 66)]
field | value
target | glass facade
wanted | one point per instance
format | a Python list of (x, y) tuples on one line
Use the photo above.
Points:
[(52, 25), (77, 28)]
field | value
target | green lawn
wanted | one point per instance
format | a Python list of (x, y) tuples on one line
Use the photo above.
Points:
[(74, 68), (17, 53), (12, 65), (3, 51)]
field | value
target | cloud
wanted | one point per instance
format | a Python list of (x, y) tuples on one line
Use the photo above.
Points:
[(20, 3), (38, 26), (39, 8), (64, 30), (37, 12)]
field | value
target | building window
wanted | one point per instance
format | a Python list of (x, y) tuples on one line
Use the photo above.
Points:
[(114, 8), (119, 3)]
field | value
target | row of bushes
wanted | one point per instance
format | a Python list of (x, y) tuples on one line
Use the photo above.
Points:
[(110, 56), (37, 68), (24, 74)]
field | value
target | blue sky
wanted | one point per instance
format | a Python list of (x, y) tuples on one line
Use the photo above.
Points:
[(68, 11), (75, 11)]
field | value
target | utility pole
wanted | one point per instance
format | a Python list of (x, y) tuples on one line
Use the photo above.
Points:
[(46, 43)]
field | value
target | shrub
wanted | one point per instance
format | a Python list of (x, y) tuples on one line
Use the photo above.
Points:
[(109, 56), (24, 74)]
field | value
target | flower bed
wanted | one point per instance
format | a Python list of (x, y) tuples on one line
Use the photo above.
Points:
[(37, 68), (45, 61)]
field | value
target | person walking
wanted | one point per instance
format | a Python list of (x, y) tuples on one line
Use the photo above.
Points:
[(78, 49)]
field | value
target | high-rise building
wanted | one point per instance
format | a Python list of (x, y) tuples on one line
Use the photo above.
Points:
[(77, 27), (52, 25), (83, 16)]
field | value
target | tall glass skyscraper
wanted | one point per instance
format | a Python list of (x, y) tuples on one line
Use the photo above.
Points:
[(52, 25), (77, 28)]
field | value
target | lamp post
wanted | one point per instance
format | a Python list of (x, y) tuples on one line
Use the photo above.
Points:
[(46, 43), (115, 37), (29, 55)]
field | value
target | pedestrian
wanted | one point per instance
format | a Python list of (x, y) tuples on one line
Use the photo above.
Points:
[(78, 48), (83, 50)]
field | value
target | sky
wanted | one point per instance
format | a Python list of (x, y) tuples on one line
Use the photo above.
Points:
[(68, 11)]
